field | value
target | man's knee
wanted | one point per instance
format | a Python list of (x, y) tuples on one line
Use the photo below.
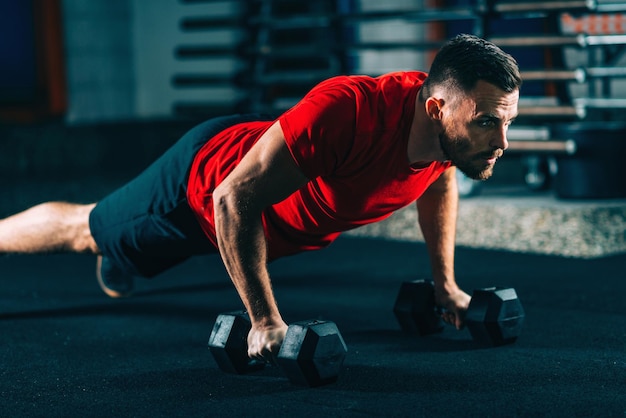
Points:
[(83, 239)]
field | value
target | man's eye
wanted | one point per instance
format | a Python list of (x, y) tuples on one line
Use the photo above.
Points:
[(486, 123)]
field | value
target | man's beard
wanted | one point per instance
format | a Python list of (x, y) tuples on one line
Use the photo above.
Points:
[(457, 150)]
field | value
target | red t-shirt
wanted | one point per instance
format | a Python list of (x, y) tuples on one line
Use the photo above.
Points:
[(349, 135)]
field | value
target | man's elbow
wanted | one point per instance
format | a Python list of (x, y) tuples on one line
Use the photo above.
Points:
[(230, 202), (224, 202)]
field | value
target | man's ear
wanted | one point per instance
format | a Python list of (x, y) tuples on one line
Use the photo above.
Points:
[(433, 107)]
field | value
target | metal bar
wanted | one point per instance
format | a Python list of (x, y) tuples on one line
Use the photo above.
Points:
[(232, 1), (535, 41), (611, 6), (577, 75), (270, 51), (310, 20), (533, 6), (553, 111), (579, 40), (294, 22), (293, 77), (390, 46), (204, 51), (211, 23), (567, 146), (600, 103), (201, 80), (324, 20), (600, 72), (528, 133), (205, 109), (598, 40), (422, 15), (203, 1)]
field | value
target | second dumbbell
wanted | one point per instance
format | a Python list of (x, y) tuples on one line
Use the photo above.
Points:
[(494, 317)]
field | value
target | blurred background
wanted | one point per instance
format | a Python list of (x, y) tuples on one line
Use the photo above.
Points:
[(88, 85)]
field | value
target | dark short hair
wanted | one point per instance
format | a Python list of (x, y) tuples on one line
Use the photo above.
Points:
[(466, 59)]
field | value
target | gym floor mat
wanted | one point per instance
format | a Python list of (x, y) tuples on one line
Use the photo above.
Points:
[(68, 350)]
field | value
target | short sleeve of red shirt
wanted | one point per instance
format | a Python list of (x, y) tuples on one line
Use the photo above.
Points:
[(319, 130)]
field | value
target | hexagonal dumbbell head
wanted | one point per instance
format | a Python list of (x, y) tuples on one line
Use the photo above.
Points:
[(495, 316), (229, 343), (312, 353), (415, 308)]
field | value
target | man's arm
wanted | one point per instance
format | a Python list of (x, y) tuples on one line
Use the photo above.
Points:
[(266, 175), (437, 215)]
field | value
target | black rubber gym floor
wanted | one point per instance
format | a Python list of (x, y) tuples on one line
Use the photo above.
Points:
[(68, 350)]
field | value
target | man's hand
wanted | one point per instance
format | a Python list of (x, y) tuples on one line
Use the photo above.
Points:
[(264, 342), (454, 304)]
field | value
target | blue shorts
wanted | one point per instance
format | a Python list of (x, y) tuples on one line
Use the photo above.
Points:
[(147, 226)]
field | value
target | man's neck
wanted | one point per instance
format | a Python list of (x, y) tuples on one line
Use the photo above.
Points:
[(423, 146)]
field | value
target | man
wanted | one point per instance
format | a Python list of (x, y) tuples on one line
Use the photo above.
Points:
[(351, 152)]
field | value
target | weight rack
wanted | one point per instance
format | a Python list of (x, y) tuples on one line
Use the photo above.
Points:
[(286, 47)]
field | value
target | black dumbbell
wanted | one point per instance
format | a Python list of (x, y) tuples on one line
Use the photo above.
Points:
[(311, 354), (494, 317)]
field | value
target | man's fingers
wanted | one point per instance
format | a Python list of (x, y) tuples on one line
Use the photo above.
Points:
[(452, 319), (264, 344), (266, 354)]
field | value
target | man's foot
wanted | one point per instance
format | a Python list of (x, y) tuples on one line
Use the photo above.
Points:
[(112, 280)]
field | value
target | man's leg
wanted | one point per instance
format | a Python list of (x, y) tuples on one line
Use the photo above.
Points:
[(48, 228), (55, 227)]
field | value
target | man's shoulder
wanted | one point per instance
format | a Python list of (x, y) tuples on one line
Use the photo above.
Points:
[(405, 78), (399, 77)]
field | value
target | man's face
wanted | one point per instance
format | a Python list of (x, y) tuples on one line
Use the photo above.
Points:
[(475, 127)]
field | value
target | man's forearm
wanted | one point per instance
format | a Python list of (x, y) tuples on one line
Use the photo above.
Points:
[(243, 249), (437, 210), (437, 214)]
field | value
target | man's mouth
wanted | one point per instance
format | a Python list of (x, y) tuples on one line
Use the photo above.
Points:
[(492, 157)]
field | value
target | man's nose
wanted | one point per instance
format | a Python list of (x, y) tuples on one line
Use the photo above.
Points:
[(499, 139)]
